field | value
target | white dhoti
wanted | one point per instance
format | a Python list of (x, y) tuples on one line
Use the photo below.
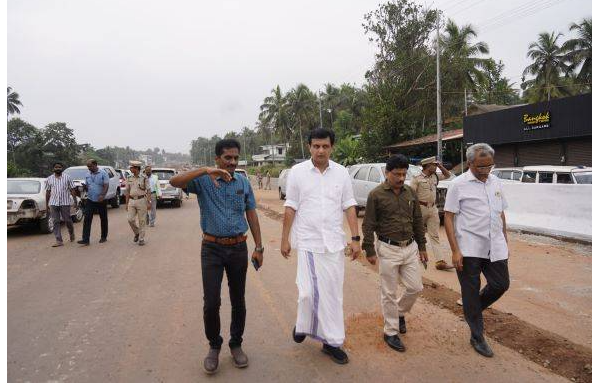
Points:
[(320, 302)]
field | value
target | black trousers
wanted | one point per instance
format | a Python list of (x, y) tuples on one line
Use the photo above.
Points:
[(91, 208), (215, 259), (476, 300)]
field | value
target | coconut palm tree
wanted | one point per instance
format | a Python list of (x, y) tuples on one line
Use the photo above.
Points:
[(273, 111), (578, 51), (549, 63), (302, 107), (460, 55), (13, 101)]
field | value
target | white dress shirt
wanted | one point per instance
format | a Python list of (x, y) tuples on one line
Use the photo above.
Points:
[(477, 207), (319, 200)]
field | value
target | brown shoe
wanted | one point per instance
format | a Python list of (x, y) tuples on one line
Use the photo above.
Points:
[(442, 266), (211, 363), (240, 360), (57, 244)]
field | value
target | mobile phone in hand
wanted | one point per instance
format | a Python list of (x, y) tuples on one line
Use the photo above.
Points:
[(255, 264)]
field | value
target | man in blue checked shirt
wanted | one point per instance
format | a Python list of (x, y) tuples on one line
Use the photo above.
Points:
[(227, 208)]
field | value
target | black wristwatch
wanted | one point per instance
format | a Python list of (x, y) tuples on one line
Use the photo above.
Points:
[(356, 238)]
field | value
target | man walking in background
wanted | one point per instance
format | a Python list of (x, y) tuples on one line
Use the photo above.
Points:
[(476, 228), (319, 191), (59, 197), (392, 211), (96, 184), (227, 208), (155, 190), (138, 201), (424, 185)]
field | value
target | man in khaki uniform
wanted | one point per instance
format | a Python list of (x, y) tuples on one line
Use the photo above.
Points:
[(138, 201), (424, 186), (392, 211)]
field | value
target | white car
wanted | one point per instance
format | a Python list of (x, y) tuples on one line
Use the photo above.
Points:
[(26, 204), (78, 174), (282, 182), (545, 174), (169, 193), (366, 177)]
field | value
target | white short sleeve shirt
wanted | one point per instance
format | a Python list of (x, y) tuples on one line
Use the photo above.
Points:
[(477, 207), (319, 200)]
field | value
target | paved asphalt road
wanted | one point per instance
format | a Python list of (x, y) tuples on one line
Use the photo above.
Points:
[(120, 312)]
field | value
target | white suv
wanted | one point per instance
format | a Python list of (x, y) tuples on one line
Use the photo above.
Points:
[(169, 193), (78, 173)]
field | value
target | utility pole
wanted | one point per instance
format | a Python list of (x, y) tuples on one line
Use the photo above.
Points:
[(320, 107), (462, 139), (438, 100)]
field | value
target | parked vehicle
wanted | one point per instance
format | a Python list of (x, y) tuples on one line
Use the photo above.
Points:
[(78, 174), (169, 193), (508, 174), (366, 177), (123, 175), (242, 172), (546, 174), (282, 183), (26, 204)]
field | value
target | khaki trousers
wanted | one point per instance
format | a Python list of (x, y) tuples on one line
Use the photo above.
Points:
[(432, 223), (398, 265), (138, 208)]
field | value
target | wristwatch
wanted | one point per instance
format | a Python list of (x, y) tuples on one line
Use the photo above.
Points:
[(259, 249), (356, 238)]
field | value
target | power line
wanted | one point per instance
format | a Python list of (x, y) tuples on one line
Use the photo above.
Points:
[(521, 15)]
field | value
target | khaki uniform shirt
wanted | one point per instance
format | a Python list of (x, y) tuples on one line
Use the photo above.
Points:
[(138, 185), (425, 186), (397, 218)]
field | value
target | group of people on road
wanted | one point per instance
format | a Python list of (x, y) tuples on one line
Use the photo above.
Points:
[(319, 194), (397, 219), (141, 197)]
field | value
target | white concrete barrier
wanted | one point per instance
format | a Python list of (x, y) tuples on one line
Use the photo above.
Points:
[(552, 209)]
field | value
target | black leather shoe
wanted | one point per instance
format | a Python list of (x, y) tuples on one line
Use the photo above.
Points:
[(337, 354), (481, 347), (394, 342), (135, 238), (402, 325), (102, 240), (82, 242), (297, 338)]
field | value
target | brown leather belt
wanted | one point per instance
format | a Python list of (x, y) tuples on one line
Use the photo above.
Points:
[(224, 240), (426, 204), (137, 197)]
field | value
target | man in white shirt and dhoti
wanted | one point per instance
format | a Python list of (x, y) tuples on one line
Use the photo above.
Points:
[(318, 192)]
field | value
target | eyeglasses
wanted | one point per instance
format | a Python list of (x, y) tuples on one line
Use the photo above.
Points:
[(485, 167)]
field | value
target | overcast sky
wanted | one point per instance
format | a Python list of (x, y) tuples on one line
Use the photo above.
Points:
[(160, 73)]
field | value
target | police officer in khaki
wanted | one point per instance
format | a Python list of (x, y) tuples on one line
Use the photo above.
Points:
[(424, 186), (138, 201)]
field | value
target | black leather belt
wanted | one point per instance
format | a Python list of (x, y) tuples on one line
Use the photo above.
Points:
[(137, 197), (403, 243)]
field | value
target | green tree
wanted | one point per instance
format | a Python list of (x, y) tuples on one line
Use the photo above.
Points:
[(548, 66), (495, 88), (578, 52), (12, 102), (273, 112), (302, 106), (399, 97), (347, 151)]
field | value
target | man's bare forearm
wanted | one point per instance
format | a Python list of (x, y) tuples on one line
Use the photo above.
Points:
[(181, 180), (254, 224), (352, 221), (445, 171), (47, 199), (287, 222), (503, 216), (450, 231)]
